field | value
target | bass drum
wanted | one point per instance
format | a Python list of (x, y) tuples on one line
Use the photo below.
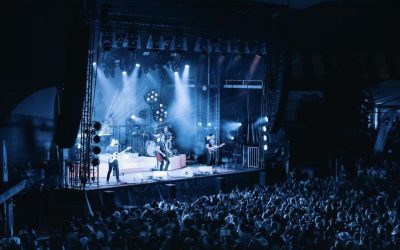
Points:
[(151, 148)]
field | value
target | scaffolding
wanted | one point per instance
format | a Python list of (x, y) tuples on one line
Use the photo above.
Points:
[(87, 173)]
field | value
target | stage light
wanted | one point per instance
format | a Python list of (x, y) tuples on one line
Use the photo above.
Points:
[(240, 124), (78, 146), (107, 39), (160, 114), (199, 124), (151, 97), (209, 124), (266, 119), (124, 72), (232, 138), (265, 138), (133, 40), (94, 64), (204, 88), (265, 147), (133, 117), (137, 65), (187, 66), (175, 72), (264, 128)]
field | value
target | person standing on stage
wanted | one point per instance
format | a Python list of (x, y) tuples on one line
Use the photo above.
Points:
[(168, 138), (163, 152), (210, 146), (112, 150)]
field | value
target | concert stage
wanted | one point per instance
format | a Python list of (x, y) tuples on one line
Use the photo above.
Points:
[(184, 183), (152, 176), (56, 206)]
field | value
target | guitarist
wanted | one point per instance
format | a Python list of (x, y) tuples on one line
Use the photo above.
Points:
[(163, 152), (112, 149), (210, 145), (211, 149)]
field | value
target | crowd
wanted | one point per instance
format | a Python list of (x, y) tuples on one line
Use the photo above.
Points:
[(312, 214)]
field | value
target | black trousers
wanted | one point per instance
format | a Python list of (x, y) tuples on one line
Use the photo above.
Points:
[(211, 158), (164, 158), (114, 165)]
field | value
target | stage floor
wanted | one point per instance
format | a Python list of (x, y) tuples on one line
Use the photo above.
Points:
[(147, 177)]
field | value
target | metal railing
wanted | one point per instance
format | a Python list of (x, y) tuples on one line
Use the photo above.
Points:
[(251, 157)]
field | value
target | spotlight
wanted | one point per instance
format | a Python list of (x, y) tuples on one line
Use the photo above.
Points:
[(78, 145), (160, 114), (133, 117), (94, 64), (209, 124), (124, 72), (265, 147), (107, 39), (240, 124), (151, 97), (264, 128), (199, 124), (175, 72), (133, 40), (232, 138), (187, 66), (137, 65), (204, 88), (265, 138), (266, 119)]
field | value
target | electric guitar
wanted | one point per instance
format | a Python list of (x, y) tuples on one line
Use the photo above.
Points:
[(213, 148), (114, 156)]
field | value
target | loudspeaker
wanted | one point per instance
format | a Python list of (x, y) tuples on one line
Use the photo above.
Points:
[(171, 191), (72, 93), (261, 178), (221, 184), (109, 200)]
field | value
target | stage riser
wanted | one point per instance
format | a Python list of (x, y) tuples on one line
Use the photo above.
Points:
[(185, 189), (130, 163), (58, 206)]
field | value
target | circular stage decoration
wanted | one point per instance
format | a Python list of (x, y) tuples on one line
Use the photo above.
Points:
[(160, 113), (152, 97)]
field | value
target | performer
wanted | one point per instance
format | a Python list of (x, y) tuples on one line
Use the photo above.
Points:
[(210, 144), (163, 152), (112, 149), (168, 138), (212, 149)]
